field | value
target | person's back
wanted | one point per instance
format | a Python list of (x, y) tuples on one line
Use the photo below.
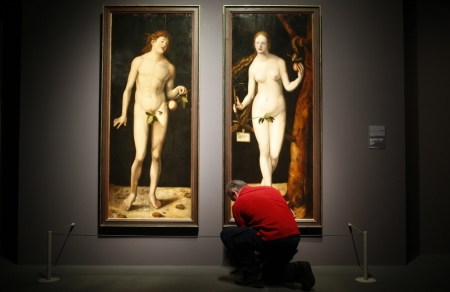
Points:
[(264, 209)]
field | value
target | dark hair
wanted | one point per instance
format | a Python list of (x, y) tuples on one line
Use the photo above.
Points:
[(153, 37), (234, 185)]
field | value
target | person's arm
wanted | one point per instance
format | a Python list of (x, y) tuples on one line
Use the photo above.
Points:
[(237, 217), (250, 93), (171, 92), (290, 86), (122, 120)]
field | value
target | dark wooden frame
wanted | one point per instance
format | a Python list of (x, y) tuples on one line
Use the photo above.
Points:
[(241, 160), (124, 29)]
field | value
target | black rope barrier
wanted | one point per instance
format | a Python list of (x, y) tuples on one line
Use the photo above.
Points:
[(202, 236)]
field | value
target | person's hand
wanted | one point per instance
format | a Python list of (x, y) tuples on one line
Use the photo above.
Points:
[(181, 90), (237, 105), (122, 120), (300, 70)]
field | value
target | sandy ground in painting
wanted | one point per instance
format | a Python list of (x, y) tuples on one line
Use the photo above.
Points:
[(282, 187), (176, 203)]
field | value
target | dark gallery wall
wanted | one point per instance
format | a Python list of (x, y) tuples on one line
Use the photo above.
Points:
[(411, 131), (363, 84), (433, 47), (10, 44)]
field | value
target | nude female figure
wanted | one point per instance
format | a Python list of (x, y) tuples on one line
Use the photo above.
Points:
[(154, 77), (267, 76)]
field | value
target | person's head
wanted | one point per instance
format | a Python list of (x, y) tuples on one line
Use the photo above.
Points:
[(261, 41), (233, 188), (161, 36)]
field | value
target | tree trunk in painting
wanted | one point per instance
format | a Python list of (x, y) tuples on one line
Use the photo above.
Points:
[(298, 186)]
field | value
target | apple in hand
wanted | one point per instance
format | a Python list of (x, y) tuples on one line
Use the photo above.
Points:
[(173, 105)]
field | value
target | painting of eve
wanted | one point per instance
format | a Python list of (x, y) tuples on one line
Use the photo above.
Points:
[(272, 101)]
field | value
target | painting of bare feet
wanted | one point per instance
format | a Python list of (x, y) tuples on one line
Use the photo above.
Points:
[(176, 204), (272, 101), (149, 128)]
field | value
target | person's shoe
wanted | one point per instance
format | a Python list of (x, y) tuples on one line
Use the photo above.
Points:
[(260, 257), (250, 281), (305, 275), (236, 271)]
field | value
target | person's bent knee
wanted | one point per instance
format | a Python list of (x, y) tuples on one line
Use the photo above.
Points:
[(227, 240)]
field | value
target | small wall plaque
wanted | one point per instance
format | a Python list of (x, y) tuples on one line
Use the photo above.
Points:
[(377, 137)]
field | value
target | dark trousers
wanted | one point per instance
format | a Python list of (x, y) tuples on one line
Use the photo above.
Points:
[(274, 260)]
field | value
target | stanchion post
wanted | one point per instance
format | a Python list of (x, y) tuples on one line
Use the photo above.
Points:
[(49, 261), (49, 255), (366, 278), (365, 256)]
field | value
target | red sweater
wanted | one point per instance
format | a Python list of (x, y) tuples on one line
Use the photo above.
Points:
[(264, 209)]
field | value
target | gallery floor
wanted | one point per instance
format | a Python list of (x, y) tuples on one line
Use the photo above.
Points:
[(425, 273)]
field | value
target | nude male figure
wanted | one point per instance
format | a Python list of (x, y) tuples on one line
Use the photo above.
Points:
[(154, 77)]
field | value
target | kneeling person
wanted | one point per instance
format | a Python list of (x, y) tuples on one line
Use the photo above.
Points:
[(266, 225)]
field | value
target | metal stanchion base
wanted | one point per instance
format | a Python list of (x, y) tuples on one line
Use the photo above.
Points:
[(362, 280), (45, 280)]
